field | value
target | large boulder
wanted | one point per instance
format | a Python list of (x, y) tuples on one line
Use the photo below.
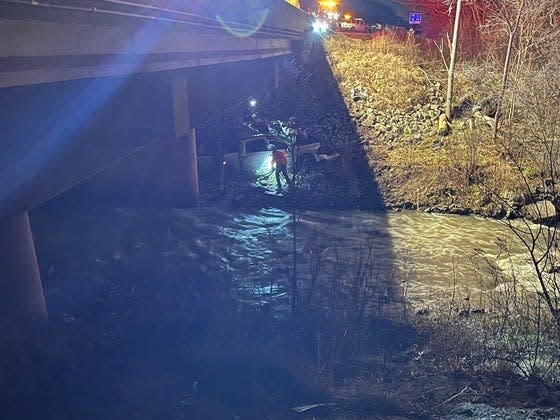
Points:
[(542, 211)]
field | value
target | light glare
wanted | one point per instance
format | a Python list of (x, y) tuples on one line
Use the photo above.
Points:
[(320, 26)]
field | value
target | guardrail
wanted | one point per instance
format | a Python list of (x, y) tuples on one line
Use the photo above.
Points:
[(212, 15)]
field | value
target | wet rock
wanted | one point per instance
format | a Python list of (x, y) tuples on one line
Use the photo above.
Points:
[(457, 209), (423, 312)]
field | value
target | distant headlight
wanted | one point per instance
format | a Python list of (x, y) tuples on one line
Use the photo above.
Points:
[(320, 26)]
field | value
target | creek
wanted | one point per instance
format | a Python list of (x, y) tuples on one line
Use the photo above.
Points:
[(429, 257)]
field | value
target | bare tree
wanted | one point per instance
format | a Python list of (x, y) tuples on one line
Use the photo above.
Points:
[(518, 35), (451, 69), (512, 25), (532, 146)]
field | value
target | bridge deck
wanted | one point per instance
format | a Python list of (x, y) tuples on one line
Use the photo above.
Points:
[(54, 40)]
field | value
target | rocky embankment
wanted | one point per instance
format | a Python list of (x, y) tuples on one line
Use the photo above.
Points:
[(396, 105), (394, 91)]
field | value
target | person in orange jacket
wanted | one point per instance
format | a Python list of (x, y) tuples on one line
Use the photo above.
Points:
[(280, 162)]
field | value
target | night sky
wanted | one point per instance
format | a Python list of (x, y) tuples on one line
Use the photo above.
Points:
[(378, 11)]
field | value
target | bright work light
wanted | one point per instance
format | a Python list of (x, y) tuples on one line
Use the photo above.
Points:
[(320, 26)]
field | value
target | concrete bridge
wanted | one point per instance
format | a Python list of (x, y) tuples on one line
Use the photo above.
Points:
[(79, 77)]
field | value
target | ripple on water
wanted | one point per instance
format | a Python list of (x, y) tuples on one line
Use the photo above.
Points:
[(435, 253)]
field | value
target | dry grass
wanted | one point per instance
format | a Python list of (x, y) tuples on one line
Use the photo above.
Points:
[(385, 66), (421, 167)]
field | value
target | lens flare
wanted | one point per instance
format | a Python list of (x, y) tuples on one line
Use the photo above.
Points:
[(245, 26)]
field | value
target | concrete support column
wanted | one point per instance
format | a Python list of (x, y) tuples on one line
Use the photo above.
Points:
[(21, 291), (276, 74), (186, 134)]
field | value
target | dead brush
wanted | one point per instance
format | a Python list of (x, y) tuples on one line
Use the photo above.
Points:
[(509, 330)]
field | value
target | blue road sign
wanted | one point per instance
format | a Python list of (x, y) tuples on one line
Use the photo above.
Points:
[(415, 18)]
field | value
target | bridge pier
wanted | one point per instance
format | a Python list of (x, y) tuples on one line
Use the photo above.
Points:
[(163, 172), (186, 134), (21, 296)]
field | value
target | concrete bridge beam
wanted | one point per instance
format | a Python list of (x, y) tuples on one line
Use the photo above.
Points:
[(21, 299)]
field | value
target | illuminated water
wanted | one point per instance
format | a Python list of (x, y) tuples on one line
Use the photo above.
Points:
[(430, 254), (427, 255)]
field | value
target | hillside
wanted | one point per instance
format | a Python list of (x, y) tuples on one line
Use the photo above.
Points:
[(395, 92)]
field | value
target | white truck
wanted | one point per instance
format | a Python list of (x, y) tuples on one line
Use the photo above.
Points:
[(255, 155), (354, 25)]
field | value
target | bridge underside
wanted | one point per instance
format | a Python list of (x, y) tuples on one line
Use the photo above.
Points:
[(58, 134), (115, 93)]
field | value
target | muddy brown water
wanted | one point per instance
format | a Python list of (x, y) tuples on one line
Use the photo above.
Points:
[(429, 256)]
